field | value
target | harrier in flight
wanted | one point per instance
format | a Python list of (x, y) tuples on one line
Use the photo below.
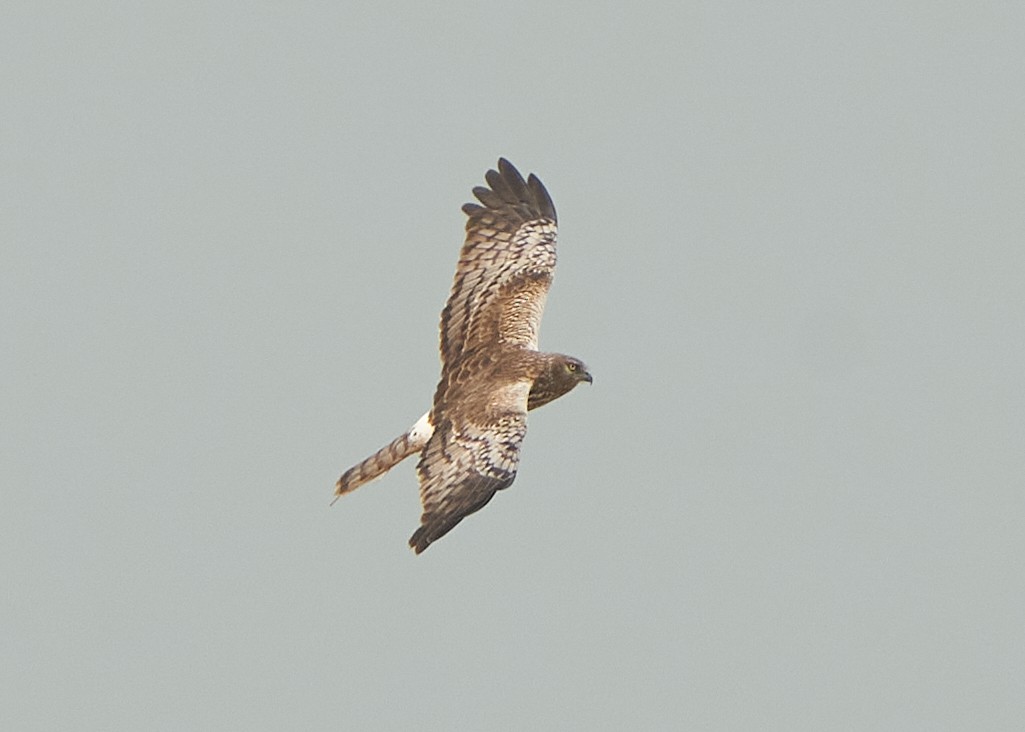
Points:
[(492, 373)]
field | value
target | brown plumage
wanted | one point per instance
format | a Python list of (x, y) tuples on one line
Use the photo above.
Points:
[(492, 372)]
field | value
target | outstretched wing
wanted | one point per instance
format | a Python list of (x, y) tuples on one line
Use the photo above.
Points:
[(467, 459), (505, 266)]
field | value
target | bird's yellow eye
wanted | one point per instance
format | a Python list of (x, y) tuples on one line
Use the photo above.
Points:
[(571, 366)]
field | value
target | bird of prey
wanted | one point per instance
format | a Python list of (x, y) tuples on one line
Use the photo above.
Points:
[(492, 373)]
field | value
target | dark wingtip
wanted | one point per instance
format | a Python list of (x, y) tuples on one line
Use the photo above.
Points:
[(507, 188), (544, 201), (420, 540)]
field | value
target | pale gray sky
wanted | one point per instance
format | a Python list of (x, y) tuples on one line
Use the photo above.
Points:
[(791, 251)]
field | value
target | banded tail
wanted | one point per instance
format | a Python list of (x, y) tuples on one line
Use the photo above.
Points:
[(386, 458)]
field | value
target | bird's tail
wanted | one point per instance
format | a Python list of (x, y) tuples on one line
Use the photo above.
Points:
[(386, 458)]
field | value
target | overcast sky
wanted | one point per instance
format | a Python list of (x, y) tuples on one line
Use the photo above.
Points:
[(791, 252)]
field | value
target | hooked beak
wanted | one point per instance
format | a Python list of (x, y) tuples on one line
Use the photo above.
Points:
[(586, 376)]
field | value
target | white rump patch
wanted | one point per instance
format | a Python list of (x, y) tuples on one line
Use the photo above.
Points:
[(422, 430)]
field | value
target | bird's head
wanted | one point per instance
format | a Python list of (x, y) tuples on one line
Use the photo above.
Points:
[(559, 377), (575, 370)]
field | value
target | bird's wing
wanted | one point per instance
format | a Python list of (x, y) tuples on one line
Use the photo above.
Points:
[(472, 454), (505, 266)]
